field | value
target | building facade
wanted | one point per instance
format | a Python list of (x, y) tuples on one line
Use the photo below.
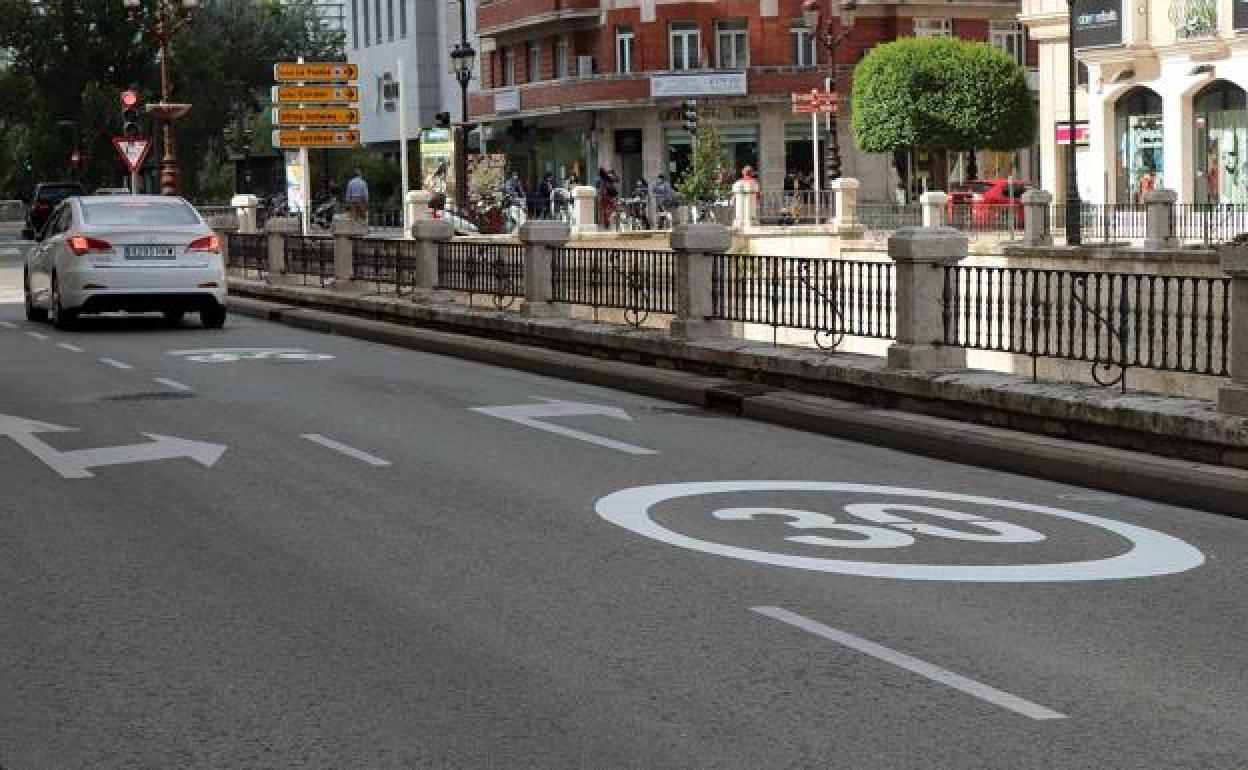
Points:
[(1161, 97), (571, 85)]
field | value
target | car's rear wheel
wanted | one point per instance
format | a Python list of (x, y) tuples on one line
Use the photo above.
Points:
[(32, 313), (61, 318), (212, 317), (174, 316)]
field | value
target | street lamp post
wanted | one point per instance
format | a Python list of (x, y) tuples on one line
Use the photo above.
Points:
[(170, 17), (462, 59), (1074, 232), (832, 42)]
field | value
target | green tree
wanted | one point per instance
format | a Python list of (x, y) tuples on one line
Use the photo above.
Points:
[(706, 178), (941, 94)]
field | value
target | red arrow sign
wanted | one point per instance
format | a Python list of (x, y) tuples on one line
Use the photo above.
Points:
[(132, 151)]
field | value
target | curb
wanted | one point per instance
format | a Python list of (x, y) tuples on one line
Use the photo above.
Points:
[(1214, 488)]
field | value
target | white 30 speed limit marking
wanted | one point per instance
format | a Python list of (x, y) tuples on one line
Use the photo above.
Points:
[(1152, 553)]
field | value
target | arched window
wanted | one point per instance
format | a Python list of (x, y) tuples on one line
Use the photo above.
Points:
[(1220, 143), (1141, 160)]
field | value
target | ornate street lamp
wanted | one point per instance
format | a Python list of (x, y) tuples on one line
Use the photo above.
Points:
[(831, 40), (462, 58), (170, 17), (1074, 232)]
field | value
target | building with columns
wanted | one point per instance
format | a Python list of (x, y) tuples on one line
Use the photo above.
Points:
[(1161, 97), (571, 85)]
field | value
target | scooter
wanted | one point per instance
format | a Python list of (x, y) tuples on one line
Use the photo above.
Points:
[(323, 214)]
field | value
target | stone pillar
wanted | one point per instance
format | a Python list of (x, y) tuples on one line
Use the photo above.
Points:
[(540, 239), (745, 203), (584, 209), (223, 241), (246, 208), (695, 245), (1159, 220), (1233, 396), (920, 254), (935, 206), (429, 233), (1037, 225), (277, 229), (346, 231), (418, 207), (845, 194)]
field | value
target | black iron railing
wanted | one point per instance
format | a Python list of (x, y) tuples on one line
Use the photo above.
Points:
[(386, 262), (248, 252), (886, 217), (832, 298), (310, 257), (1003, 220), (1115, 321), (496, 269), (796, 207), (638, 282), (1210, 223), (1104, 222)]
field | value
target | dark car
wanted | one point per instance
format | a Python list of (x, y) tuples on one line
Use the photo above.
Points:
[(47, 195)]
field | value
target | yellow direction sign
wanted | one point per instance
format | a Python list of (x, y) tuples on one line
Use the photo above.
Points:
[(315, 116), (315, 94), (289, 72), (329, 137)]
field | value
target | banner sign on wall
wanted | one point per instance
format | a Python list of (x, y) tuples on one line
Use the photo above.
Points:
[(1099, 23)]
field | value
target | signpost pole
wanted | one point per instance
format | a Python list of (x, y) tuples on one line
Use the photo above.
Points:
[(305, 183), (403, 161), (814, 143)]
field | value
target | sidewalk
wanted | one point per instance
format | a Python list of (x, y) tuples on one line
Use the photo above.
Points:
[(1171, 449)]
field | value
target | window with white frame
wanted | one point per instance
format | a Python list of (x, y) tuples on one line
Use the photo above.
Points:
[(732, 42), (1008, 37), (534, 61), (802, 41), (932, 28), (509, 65), (563, 56), (625, 42), (685, 42)]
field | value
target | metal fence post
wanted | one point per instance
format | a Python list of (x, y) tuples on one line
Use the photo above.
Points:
[(1159, 220), (696, 246), (1037, 231), (935, 208), (540, 239), (921, 255), (429, 235), (1233, 396), (345, 231)]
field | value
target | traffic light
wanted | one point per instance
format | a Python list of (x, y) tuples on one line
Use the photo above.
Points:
[(442, 120), (130, 114), (689, 113)]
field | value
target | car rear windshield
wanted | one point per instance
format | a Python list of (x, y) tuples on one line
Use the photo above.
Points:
[(58, 194), (138, 213)]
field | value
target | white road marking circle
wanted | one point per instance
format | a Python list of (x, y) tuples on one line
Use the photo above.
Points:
[(1152, 553)]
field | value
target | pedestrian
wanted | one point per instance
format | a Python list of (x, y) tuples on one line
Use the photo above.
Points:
[(515, 188), (357, 197), (545, 194), (608, 193), (663, 195)]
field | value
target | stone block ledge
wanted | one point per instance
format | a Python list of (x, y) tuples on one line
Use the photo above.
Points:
[(1189, 429)]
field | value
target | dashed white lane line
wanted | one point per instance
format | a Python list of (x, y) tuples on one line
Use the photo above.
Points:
[(171, 384), (115, 363), (69, 347), (329, 443), (8, 324), (38, 335), (922, 668)]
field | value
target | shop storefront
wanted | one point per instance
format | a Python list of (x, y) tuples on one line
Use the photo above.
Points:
[(739, 141), (1140, 162), (1220, 136)]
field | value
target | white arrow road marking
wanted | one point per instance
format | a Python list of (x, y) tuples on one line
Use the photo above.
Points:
[(69, 347), (38, 335), (74, 464), (171, 384), (922, 668), (533, 415), (115, 363), (8, 324), (360, 455)]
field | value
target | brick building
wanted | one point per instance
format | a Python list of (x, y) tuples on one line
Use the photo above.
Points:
[(568, 85)]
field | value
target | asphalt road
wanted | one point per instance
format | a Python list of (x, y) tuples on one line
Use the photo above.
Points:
[(373, 574)]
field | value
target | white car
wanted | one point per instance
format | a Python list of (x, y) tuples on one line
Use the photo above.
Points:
[(136, 253)]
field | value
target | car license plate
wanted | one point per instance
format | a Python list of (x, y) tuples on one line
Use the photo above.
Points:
[(149, 252)]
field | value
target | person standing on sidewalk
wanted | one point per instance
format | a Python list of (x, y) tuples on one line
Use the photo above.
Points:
[(357, 197)]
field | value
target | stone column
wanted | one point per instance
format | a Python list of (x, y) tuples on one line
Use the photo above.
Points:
[(935, 206), (584, 209), (1233, 396), (246, 208), (1037, 226), (695, 245), (418, 207), (223, 241), (540, 239), (1159, 220), (920, 254), (745, 203), (845, 194), (346, 231), (429, 233), (277, 229)]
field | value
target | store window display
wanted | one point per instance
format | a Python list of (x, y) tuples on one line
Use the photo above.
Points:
[(1220, 136), (1141, 158)]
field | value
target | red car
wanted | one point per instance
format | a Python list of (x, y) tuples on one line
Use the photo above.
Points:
[(988, 204)]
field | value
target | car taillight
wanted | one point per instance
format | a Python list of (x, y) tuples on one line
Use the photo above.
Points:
[(84, 244), (207, 243), (40, 206)]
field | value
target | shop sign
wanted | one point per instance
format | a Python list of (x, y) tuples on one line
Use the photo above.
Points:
[(507, 100), (1081, 133), (1239, 17), (1097, 23), (705, 84)]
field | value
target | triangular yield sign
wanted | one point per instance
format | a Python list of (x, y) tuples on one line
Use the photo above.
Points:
[(132, 151)]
